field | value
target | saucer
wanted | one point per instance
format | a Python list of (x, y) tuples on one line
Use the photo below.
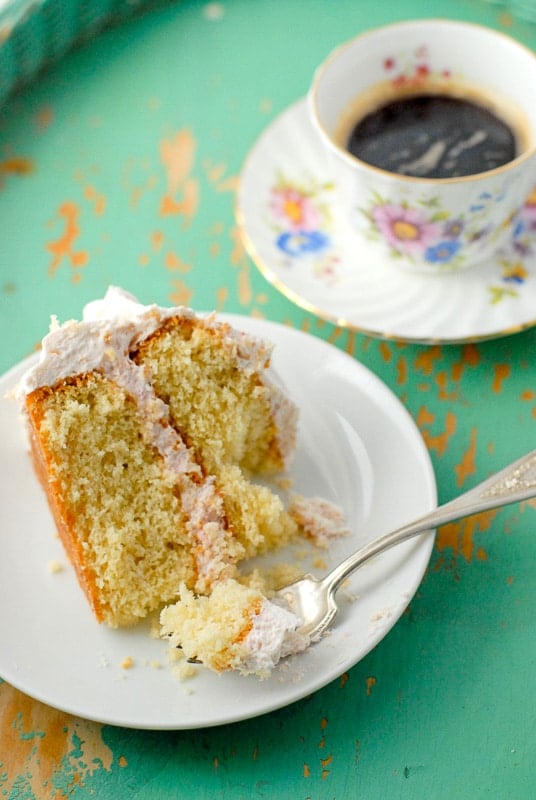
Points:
[(287, 214)]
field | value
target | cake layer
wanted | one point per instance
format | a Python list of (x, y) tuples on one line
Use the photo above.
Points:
[(147, 424)]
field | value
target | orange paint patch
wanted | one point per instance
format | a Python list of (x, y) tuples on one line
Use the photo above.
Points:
[(425, 360), (343, 680), (216, 174), (402, 371), (222, 295), (135, 185), (470, 358), (98, 200), (63, 247), (335, 335), (438, 442), (157, 240), (351, 343), (459, 536), (36, 741), (186, 206), (16, 165), (181, 295), (44, 118), (178, 158), (325, 762), (467, 465), (175, 263), (424, 417), (501, 373), (385, 351), (371, 683), (441, 381), (306, 771)]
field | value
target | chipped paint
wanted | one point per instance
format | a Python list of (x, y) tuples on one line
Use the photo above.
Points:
[(500, 373), (459, 537), (63, 248), (467, 465), (16, 165), (42, 749), (436, 442), (182, 196)]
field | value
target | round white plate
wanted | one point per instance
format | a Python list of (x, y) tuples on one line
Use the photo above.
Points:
[(286, 210), (357, 446)]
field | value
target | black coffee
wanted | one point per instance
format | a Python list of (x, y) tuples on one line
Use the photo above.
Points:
[(433, 136)]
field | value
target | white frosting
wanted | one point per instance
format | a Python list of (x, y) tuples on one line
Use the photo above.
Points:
[(273, 636)]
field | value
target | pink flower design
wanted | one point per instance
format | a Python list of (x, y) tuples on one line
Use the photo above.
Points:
[(405, 230), (295, 208), (528, 212)]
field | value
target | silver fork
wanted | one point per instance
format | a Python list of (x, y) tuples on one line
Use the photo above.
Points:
[(313, 599)]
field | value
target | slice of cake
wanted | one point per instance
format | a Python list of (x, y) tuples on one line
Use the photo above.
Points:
[(235, 628), (146, 425)]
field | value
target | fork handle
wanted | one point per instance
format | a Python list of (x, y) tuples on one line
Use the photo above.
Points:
[(512, 484)]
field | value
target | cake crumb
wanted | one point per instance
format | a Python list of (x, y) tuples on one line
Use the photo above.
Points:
[(180, 667), (319, 519), (54, 566), (127, 663), (284, 483), (185, 670), (174, 655)]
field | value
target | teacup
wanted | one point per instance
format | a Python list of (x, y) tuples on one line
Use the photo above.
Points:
[(432, 204)]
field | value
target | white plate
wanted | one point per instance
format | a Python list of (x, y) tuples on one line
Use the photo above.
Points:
[(357, 446), (341, 277)]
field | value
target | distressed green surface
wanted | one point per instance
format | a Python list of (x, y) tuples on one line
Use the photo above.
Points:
[(444, 706)]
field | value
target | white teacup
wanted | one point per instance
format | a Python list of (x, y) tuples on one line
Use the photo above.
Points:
[(430, 223)]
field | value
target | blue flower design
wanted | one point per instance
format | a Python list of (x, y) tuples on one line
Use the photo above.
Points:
[(299, 243), (442, 252), (519, 228), (514, 278)]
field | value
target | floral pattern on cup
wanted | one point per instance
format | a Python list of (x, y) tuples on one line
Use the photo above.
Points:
[(301, 218), (412, 69), (514, 271), (426, 231)]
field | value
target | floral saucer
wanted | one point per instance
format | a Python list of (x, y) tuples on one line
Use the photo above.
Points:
[(287, 212)]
